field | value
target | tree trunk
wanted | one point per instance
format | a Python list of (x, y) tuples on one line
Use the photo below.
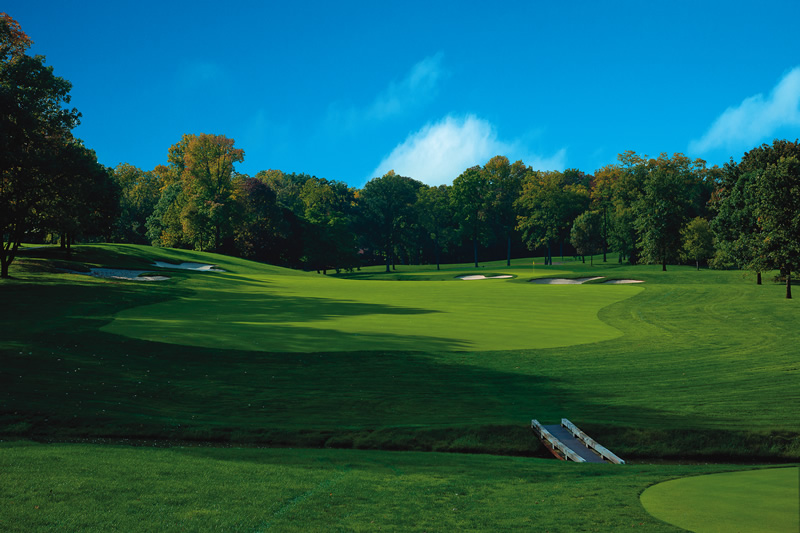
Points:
[(5, 262), (583, 259), (388, 261), (664, 264), (697, 261), (549, 254), (605, 233), (591, 260), (789, 285), (7, 255), (758, 278), (508, 255), (437, 251)]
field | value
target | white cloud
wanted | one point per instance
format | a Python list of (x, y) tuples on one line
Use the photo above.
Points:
[(440, 151), (756, 119)]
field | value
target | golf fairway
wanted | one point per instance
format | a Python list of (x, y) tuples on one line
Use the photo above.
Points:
[(308, 314)]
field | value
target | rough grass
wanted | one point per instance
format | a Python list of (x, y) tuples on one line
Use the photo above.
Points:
[(69, 487)]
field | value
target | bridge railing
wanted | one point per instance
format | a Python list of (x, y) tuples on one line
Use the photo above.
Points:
[(590, 443), (545, 435)]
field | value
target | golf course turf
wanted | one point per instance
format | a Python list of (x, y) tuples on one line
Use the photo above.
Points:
[(752, 501), (698, 366)]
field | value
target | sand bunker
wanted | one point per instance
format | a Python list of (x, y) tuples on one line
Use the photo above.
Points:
[(189, 266), (116, 273), (563, 281), (481, 276), (621, 281)]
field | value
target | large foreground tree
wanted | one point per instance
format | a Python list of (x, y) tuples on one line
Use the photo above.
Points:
[(34, 125)]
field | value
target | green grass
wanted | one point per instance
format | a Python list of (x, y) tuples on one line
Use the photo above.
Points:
[(748, 502), (702, 364), (698, 365), (71, 487), (278, 313)]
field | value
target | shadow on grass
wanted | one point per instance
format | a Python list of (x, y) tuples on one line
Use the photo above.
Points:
[(269, 320), (99, 386)]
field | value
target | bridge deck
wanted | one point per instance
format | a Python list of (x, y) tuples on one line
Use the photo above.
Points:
[(574, 444)]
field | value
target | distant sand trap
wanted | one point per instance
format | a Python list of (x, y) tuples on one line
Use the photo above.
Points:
[(189, 266), (115, 273), (621, 281), (481, 276), (563, 281)]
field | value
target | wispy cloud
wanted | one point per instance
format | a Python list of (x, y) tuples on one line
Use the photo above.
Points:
[(756, 119), (440, 151), (418, 87)]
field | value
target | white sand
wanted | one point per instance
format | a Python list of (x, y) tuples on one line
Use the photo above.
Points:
[(481, 276), (563, 281), (115, 273), (189, 266), (621, 281)]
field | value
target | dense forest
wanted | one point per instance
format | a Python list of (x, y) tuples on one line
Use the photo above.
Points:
[(661, 210)]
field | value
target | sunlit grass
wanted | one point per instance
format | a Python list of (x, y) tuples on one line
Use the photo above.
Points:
[(299, 314), (753, 501), (72, 487)]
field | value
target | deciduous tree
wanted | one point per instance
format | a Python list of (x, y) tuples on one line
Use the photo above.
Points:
[(586, 234), (471, 200), (778, 213), (698, 240), (386, 210), (547, 207), (668, 194), (436, 217), (33, 125)]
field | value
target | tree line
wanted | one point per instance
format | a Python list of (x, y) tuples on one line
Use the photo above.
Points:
[(660, 210)]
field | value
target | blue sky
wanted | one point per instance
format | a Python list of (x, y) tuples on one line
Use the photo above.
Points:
[(349, 90)]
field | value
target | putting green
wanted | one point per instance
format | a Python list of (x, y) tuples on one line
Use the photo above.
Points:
[(267, 312), (755, 501)]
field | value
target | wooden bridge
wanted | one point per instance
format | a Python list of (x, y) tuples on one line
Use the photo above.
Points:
[(567, 442)]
